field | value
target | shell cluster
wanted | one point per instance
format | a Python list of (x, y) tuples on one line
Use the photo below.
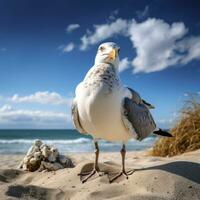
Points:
[(42, 157)]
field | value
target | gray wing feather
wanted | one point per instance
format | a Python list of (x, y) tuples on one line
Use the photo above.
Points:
[(135, 96), (75, 117), (139, 117), (137, 99)]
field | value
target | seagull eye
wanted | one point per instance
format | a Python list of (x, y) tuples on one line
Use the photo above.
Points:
[(102, 48)]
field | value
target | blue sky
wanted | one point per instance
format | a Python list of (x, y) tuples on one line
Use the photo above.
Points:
[(46, 48)]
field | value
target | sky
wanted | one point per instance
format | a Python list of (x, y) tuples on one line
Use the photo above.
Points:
[(47, 47)]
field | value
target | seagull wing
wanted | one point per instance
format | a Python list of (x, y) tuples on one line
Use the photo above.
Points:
[(138, 115), (75, 117), (136, 97)]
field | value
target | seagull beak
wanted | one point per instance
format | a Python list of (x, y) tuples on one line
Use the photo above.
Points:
[(112, 55)]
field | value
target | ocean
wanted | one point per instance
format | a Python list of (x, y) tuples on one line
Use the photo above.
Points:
[(19, 141)]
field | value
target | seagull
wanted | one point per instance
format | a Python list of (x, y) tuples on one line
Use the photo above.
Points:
[(104, 108)]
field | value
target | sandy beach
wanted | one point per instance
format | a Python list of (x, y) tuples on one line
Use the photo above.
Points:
[(155, 178)]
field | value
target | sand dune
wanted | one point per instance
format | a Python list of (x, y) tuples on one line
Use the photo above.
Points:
[(154, 178)]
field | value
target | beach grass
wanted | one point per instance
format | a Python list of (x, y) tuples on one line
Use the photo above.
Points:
[(186, 133)]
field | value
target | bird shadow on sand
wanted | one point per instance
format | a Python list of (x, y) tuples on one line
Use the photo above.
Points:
[(185, 169), (7, 175), (29, 192)]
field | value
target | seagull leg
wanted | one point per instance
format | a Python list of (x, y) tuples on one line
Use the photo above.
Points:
[(96, 169), (123, 172)]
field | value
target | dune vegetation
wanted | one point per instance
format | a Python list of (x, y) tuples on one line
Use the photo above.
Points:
[(186, 133)]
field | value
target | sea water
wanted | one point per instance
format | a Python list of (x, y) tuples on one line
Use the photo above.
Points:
[(19, 141)]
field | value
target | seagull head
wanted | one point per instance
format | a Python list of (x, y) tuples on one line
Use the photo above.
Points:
[(108, 53)]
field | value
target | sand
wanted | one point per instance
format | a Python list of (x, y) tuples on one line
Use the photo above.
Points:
[(156, 178)]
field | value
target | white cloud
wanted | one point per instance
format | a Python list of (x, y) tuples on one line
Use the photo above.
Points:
[(6, 107), (168, 122), (104, 31), (157, 44), (192, 94), (191, 47), (72, 27), (142, 14), (45, 97), (160, 45), (113, 14), (124, 64), (10, 116), (69, 47)]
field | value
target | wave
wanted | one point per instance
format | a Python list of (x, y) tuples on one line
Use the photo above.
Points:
[(64, 141), (20, 146), (31, 141)]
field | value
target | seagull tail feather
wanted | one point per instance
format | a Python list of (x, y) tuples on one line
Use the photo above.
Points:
[(162, 133), (148, 105)]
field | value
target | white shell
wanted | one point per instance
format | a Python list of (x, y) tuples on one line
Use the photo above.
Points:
[(45, 151), (32, 150), (54, 151), (38, 143), (51, 166), (62, 159), (33, 161), (38, 155), (65, 161), (53, 154)]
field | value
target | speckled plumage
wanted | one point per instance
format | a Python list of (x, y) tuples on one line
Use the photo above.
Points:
[(101, 74)]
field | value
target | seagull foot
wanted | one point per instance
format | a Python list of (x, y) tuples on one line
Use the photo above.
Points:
[(122, 173), (89, 174)]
